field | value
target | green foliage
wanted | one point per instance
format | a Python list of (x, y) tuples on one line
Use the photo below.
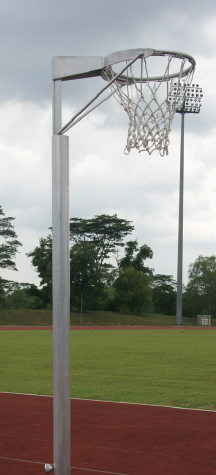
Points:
[(94, 240), (9, 243), (20, 296), (2, 293), (86, 276), (133, 290), (134, 257), (109, 300), (42, 261), (192, 302), (37, 297), (18, 299), (164, 294), (201, 289), (105, 232)]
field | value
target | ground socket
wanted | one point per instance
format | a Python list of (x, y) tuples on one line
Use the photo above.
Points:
[(48, 468)]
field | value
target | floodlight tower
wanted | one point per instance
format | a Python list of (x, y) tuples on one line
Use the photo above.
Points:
[(191, 104)]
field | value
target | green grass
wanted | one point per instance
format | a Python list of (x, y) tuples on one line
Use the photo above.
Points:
[(44, 318), (25, 317), (166, 367)]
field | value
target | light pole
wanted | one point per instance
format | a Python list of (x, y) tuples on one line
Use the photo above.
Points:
[(191, 104), (87, 285)]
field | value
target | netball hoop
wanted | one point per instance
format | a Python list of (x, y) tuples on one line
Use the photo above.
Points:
[(143, 91), (142, 87), (145, 98)]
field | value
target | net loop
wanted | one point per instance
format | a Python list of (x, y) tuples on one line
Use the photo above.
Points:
[(145, 100)]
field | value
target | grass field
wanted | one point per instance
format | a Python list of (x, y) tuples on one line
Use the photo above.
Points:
[(44, 318), (165, 367)]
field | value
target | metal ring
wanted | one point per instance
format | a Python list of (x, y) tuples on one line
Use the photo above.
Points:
[(127, 55)]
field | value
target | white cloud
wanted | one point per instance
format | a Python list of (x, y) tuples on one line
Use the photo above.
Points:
[(25, 181), (102, 179)]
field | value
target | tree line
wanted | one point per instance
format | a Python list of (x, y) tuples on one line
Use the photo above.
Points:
[(98, 272)]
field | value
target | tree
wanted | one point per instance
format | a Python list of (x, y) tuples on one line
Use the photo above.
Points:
[(105, 232), (164, 294), (42, 260), (93, 242), (135, 257), (9, 243), (2, 292), (202, 280), (133, 289), (84, 273), (20, 295), (193, 304)]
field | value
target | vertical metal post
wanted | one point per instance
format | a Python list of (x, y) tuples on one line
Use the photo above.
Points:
[(57, 106), (61, 292), (180, 230)]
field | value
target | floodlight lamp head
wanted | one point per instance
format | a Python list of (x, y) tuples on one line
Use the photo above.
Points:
[(190, 96)]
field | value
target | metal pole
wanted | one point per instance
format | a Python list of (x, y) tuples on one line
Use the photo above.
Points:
[(61, 292), (180, 230), (191, 105)]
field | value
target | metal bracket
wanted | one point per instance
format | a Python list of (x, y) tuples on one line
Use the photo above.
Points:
[(66, 68)]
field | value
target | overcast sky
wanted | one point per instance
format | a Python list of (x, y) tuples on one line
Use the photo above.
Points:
[(138, 187)]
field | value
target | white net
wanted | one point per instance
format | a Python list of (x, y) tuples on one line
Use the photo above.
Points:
[(146, 102)]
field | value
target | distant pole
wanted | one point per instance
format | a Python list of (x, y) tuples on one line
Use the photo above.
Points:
[(191, 104), (180, 229)]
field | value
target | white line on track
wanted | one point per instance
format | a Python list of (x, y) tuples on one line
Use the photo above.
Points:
[(98, 471), (115, 402), (20, 460), (74, 468)]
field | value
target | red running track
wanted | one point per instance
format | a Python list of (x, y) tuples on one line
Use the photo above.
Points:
[(107, 438)]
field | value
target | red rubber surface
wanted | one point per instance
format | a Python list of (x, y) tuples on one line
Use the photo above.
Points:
[(111, 438)]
